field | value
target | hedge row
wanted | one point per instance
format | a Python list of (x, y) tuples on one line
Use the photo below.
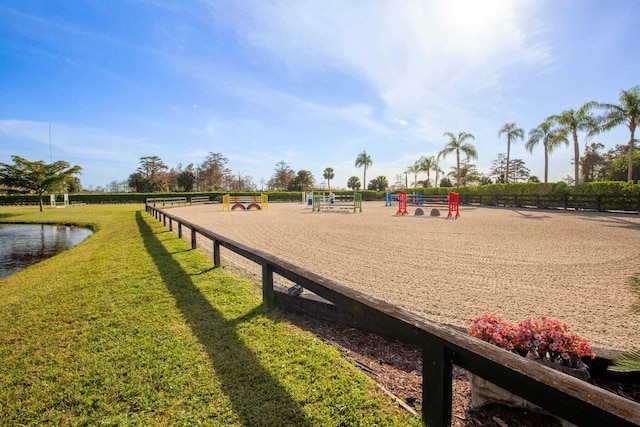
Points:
[(610, 195)]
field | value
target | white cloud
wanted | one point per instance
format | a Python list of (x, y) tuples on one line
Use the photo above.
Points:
[(412, 53), (441, 66)]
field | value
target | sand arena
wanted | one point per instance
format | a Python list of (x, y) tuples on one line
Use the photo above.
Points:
[(515, 263)]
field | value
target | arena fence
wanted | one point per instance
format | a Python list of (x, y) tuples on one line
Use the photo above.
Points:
[(442, 346), (595, 203), (166, 202)]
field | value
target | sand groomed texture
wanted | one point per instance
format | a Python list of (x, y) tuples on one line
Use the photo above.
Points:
[(516, 263)]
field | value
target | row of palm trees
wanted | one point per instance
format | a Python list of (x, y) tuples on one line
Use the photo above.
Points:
[(551, 133), (556, 129)]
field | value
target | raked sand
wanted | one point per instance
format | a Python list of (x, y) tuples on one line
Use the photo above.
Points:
[(515, 263)]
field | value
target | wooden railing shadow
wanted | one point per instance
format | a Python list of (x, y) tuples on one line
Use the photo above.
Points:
[(442, 346), (235, 365), (613, 221)]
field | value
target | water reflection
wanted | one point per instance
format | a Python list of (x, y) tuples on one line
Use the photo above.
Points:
[(22, 245)]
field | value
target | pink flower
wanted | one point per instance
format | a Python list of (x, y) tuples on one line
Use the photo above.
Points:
[(545, 338)]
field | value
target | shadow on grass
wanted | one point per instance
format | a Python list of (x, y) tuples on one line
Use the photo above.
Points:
[(257, 398), (5, 215)]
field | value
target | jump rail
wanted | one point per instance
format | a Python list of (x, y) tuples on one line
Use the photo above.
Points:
[(442, 346), (341, 202)]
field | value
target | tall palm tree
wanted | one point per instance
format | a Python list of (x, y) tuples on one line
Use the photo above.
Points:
[(513, 133), (548, 135), (572, 121), (426, 164), (436, 169), (364, 160), (414, 169), (328, 175), (628, 113), (457, 144)]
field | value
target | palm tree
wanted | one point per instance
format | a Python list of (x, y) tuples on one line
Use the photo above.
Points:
[(572, 121), (364, 159), (427, 163), (457, 144), (468, 173), (550, 138), (328, 175), (513, 133), (436, 169), (628, 113), (414, 169)]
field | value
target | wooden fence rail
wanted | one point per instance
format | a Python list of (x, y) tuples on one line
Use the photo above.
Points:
[(597, 203), (442, 346)]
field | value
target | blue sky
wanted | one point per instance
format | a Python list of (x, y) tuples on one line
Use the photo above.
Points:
[(311, 83)]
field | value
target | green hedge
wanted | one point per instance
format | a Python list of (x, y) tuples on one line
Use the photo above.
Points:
[(609, 195)]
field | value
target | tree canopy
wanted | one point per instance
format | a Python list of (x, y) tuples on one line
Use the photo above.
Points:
[(38, 177)]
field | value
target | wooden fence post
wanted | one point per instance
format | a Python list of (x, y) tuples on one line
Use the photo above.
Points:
[(193, 239), (180, 230), (268, 299), (437, 384), (216, 253)]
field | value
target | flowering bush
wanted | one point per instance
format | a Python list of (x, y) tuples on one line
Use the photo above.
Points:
[(544, 338)]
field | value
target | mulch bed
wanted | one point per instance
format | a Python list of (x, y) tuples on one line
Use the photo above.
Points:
[(397, 369)]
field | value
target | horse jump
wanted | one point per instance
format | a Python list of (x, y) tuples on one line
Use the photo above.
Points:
[(65, 201), (452, 200), (245, 203), (338, 203)]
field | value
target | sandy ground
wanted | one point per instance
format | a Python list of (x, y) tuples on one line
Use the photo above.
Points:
[(515, 263)]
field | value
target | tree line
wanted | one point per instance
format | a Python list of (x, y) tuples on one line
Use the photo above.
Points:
[(593, 118)]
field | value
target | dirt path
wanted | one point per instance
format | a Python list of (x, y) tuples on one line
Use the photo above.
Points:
[(512, 262)]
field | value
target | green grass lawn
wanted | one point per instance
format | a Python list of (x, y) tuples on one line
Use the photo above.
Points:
[(132, 327)]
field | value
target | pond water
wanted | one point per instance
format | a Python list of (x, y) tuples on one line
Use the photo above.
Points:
[(22, 245)]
